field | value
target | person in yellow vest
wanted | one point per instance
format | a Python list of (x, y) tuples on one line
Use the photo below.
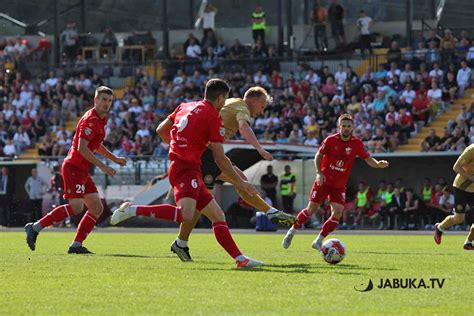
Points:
[(363, 203), (386, 201), (381, 191), (427, 192), (258, 24), (288, 189)]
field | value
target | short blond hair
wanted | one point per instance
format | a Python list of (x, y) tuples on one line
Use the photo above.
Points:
[(103, 89), (257, 92), (345, 117)]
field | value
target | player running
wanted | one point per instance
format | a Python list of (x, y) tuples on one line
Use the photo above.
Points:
[(463, 194), (193, 125), (236, 114), (79, 188), (333, 163)]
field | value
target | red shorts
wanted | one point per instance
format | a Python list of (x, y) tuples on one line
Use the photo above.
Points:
[(319, 193), (77, 182), (186, 180)]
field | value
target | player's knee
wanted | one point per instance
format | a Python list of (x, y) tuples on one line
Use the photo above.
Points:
[(187, 216), (458, 218), (312, 208), (97, 209)]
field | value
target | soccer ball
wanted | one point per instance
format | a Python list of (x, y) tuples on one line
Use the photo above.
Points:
[(333, 251)]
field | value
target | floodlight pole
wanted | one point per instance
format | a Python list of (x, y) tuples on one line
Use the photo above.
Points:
[(280, 27), (191, 14), (56, 33), (289, 25), (409, 22), (83, 16), (165, 28)]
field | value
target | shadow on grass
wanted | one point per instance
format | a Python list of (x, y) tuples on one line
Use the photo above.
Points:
[(405, 253), (123, 255)]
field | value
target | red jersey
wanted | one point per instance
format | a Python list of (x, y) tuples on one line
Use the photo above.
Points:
[(92, 128), (339, 157), (195, 124)]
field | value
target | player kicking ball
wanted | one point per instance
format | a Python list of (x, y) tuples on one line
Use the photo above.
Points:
[(193, 126), (333, 163), (236, 116), (463, 194), (79, 188)]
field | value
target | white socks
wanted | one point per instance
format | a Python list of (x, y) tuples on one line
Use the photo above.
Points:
[(272, 210), (240, 258), (181, 243), (132, 210), (292, 230)]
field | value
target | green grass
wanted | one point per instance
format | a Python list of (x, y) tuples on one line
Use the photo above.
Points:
[(135, 273)]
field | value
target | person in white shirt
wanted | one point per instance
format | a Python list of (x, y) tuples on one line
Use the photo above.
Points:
[(312, 77), (9, 149), (463, 77), (364, 23), (35, 186), (436, 73), (52, 80), (394, 71), (407, 72), (208, 18), (311, 140), (340, 76), (193, 50), (409, 94), (142, 131), (21, 140), (434, 95)]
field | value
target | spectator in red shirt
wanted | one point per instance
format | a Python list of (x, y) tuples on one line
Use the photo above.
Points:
[(421, 108)]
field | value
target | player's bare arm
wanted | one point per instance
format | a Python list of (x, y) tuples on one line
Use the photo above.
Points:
[(317, 165), (163, 130), (226, 167), (87, 154), (374, 163), (460, 168), (109, 155), (247, 132)]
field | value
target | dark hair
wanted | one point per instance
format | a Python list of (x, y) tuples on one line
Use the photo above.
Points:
[(215, 88)]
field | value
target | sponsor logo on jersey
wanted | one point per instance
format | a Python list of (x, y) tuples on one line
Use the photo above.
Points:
[(208, 179)]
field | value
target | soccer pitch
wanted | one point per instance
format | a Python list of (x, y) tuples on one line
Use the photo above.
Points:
[(135, 273)]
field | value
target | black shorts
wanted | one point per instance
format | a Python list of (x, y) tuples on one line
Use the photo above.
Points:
[(210, 170), (461, 198)]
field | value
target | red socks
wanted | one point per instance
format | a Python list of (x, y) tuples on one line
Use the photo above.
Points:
[(86, 225), (302, 217), (162, 211), (224, 238), (329, 226), (58, 214)]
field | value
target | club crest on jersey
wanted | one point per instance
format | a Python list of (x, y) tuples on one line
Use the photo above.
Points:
[(348, 150), (222, 131), (88, 131)]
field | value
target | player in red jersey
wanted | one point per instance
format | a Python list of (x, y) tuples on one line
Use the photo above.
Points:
[(79, 188), (333, 163), (188, 130)]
